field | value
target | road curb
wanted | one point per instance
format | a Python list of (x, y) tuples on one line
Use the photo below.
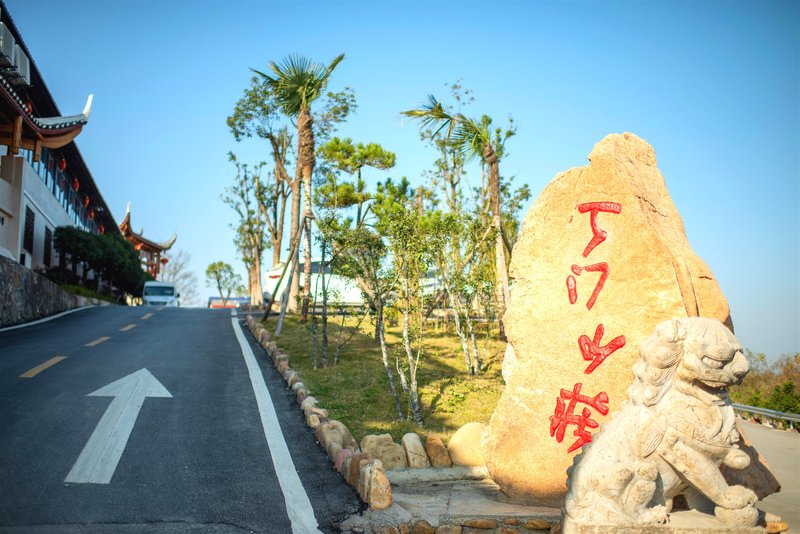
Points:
[(373, 483)]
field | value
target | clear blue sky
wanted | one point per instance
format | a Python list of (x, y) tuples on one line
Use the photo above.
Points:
[(713, 86)]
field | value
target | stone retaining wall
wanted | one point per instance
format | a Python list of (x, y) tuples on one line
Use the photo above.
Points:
[(26, 295)]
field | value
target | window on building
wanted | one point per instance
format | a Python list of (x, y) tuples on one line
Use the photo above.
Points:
[(27, 240), (48, 247)]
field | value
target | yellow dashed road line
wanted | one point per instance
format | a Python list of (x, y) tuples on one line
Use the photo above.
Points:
[(39, 368), (126, 328), (97, 341)]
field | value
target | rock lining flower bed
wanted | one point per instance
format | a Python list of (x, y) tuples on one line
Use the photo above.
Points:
[(371, 464)]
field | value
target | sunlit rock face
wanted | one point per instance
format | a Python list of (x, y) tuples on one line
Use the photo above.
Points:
[(602, 258)]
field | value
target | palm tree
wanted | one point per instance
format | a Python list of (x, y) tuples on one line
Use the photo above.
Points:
[(474, 139), (297, 82)]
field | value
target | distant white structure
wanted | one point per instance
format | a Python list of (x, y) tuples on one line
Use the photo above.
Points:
[(341, 290)]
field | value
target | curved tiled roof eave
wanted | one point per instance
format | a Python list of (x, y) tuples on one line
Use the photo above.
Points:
[(51, 125)]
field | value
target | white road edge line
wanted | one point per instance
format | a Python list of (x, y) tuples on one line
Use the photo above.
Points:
[(46, 318), (298, 506)]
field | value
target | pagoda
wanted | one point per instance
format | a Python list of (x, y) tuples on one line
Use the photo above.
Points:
[(150, 252)]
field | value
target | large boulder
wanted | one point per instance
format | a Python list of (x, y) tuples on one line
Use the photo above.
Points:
[(383, 448), (415, 452), (437, 452), (465, 446), (601, 259), (374, 487), (334, 436)]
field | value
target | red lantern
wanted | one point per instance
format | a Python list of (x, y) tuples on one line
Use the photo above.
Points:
[(102, 229), (164, 261), (137, 246), (85, 201), (62, 165), (75, 184), (91, 215), (28, 107)]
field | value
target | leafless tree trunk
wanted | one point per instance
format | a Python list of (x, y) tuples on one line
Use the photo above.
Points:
[(324, 315), (416, 409), (177, 271), (256, 292), (314, 332), (476, 362), (385, 356), (460, 331)]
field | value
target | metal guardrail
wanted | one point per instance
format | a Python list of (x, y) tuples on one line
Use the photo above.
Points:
[(791, 417)]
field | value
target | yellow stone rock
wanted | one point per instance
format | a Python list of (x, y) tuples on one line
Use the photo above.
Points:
[(639, 250), (537, 524), (480, 523), (422, 527), (465, 446), (773, 527)]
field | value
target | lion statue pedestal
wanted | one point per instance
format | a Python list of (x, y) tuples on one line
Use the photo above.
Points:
[(670, 438)]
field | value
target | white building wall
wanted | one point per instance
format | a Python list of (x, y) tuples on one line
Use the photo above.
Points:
[(21, 188), (10, 206), (48, 213)]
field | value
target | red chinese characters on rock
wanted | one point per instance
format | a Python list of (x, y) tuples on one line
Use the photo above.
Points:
[(565, 415), (572, 290), (593, 352), (591, 349), (598, 234)]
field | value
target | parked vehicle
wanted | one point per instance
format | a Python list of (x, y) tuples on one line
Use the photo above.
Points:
[(160, 294), (232, 302)]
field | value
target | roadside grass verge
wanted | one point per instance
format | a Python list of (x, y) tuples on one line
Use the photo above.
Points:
[(86, 292), (356, 390)]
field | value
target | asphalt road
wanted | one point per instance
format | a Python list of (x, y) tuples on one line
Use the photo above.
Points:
[(196, 458), (190, 442), (781, 448)]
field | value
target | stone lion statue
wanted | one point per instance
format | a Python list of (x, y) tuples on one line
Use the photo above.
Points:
[(671, 437)]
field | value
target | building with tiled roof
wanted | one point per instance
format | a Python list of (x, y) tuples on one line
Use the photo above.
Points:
[(44, 181), (150, 252)]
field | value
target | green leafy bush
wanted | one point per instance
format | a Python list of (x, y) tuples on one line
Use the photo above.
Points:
[(110, 256)]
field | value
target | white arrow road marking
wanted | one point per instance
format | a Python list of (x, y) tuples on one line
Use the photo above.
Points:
[(99, 459), (298, 507)]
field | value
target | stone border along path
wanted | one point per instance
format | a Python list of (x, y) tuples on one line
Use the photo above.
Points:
[(377, 461)]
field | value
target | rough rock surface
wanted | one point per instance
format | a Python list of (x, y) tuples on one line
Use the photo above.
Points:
[(341, 456), (758, 476), (383, 448), (335, 433), (422, 527), (374, 487), (465, 445), (26, 295), (437, 452), (652, 275), (415, 452), (357, 461)]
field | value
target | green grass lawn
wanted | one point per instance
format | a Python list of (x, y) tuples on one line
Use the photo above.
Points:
[(86, 292), (356, 390)]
